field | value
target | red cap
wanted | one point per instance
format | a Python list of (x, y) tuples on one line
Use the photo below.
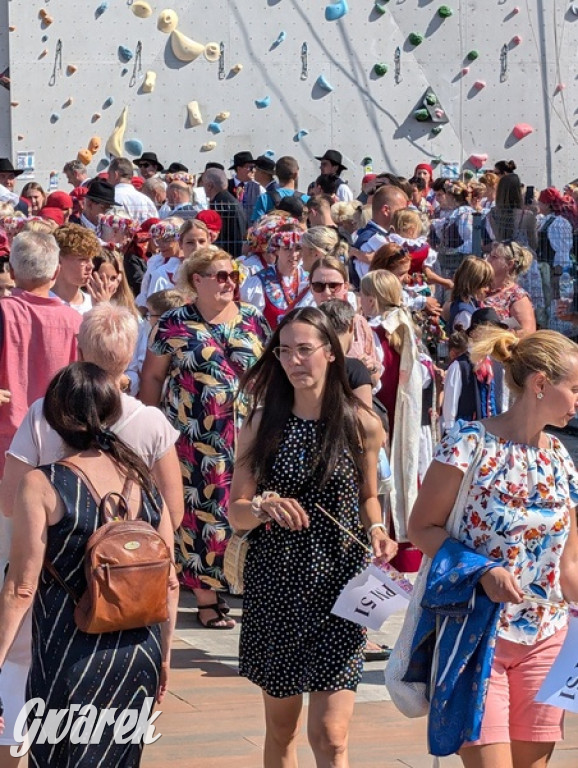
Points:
[(211, 219), (147, 224), (137, 181), (79, 192), (60, 200), (424, 167), (53, 214), (368, 177)]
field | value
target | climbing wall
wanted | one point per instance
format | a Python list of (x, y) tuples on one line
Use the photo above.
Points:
[(390, 84)]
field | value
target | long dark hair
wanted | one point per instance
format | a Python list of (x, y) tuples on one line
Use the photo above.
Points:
[(273, 395), (81, 403), (509, 200)]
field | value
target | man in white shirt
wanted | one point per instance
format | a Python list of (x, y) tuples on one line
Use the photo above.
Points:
[(76, 174), (331, 164), (137, 205)]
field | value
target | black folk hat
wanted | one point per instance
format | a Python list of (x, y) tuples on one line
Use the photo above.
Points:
[(177, 168), (101, 192), (266, 164), (7, 167), (151, 158), (334, 157), (241, 158)]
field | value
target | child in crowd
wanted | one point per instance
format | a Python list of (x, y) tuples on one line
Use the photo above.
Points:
[(408, 232), (472, 283)]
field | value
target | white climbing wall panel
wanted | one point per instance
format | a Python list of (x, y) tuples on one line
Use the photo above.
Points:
[(364, 115)]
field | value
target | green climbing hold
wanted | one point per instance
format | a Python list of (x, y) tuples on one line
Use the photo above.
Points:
[(415, 38), (367, 161), (472, 55), (421, 114), (380, 69), (380, 8), (431, 99), (444, 12), (436, 130)]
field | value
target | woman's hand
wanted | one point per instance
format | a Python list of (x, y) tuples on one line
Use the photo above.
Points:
[(501, 586), (163, 682), (384, 548), (100, 290), (287, 513), (5, 396)]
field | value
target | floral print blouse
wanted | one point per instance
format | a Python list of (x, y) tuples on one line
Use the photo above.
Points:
[(518, 511)]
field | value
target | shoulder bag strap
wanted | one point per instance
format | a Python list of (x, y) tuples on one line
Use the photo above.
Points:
[(453, 522)]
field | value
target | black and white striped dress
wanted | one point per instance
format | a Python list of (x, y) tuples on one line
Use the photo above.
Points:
[(116, 669)]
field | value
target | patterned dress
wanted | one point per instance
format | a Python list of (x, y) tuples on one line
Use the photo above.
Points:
[(518, 511), (291, 643), (116, 669), (206, 362)]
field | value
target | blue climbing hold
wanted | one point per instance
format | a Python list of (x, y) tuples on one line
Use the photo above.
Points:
[(108, 103), (124, 54), (54, 117), (101, 9), (281, 37), (300, 134), (124, 71), (214, 128), (336, 10), (102, 164), (270, 153), (263, 103), (324, 84), (134, 147)]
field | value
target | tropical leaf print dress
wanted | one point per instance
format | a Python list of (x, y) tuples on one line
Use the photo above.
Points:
[(203, 379)]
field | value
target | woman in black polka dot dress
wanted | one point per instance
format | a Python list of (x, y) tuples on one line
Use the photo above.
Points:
[(307, 441)]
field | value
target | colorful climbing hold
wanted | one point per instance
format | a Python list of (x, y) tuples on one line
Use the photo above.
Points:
[(436, 130), (124, 71), (517, 40), (184, 48), (43, 53), (149, 83), (439, 113), (101, 9), (430, 99), (141, 9), (54, 117), (380, 8), (465, 70), (85, 156), (71, 69), (515, 10), (521, 130), (444, 12), (68, 103), (94, 144), (194, 113), (96, 116), (236, 68), (125, 54), (208, 146), (263, 103), (222, 116), (478, 161), (14, 103), (336, 10), (479, 84), (214, 127), (134, 147), (108, 102), (560, 87), (380, 69), (472, 55), (421, 114), (323, 83), (300, 134), (415, 38), (212, 52), (114, 143)]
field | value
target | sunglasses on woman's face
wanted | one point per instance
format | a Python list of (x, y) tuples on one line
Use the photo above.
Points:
[(222, 276), (319, 287)]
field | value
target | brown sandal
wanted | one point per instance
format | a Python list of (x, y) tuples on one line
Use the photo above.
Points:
[(214, 622)]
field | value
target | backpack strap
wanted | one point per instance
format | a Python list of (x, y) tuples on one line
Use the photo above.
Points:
[(58, 578), (101, 502)]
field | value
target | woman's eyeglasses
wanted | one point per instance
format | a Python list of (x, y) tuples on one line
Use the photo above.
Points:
[(222, 276), (319, 287), (301, 352)]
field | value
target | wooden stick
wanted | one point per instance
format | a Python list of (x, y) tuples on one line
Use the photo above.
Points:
[(344, 529)]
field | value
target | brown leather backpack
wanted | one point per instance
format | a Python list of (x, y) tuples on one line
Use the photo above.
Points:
[(126, 565)]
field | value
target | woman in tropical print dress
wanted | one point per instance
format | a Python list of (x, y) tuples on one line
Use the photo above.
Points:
[(201, 349)]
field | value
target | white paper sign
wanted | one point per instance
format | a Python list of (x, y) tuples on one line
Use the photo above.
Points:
[(560, 688), (368, 599)]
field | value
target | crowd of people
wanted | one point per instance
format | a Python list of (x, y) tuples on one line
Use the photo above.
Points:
[(242, 355)]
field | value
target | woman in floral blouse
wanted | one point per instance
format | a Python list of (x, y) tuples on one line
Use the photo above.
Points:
[(520, 511), (201, 350)]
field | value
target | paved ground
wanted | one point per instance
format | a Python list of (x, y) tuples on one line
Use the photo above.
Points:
[(212, 718)]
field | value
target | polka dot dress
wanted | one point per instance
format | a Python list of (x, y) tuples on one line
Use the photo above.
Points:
[(290, 641)]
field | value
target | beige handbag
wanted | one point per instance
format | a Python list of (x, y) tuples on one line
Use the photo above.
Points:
[(234, 561)]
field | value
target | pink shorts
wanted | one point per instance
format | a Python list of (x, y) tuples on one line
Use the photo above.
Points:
[(511, 714)]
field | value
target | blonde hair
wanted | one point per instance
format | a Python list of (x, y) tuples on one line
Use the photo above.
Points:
[(330, 262), (192, 224), (197, 264), (7, 209), (161, 301), (326, 242), (546, 352), (107, 337), (343, 212), (518, 258), (458, 190), (40, 225), (386, 289), (471, 276), (490, 179), (407, 223)]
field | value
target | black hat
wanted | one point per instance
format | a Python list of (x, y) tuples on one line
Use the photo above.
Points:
[(334, 157), (218, 166), (177, 168), (241, 158), (264, 163), (149, 157), (7, 167), (291, 204), (485, 316), (101, 192)]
